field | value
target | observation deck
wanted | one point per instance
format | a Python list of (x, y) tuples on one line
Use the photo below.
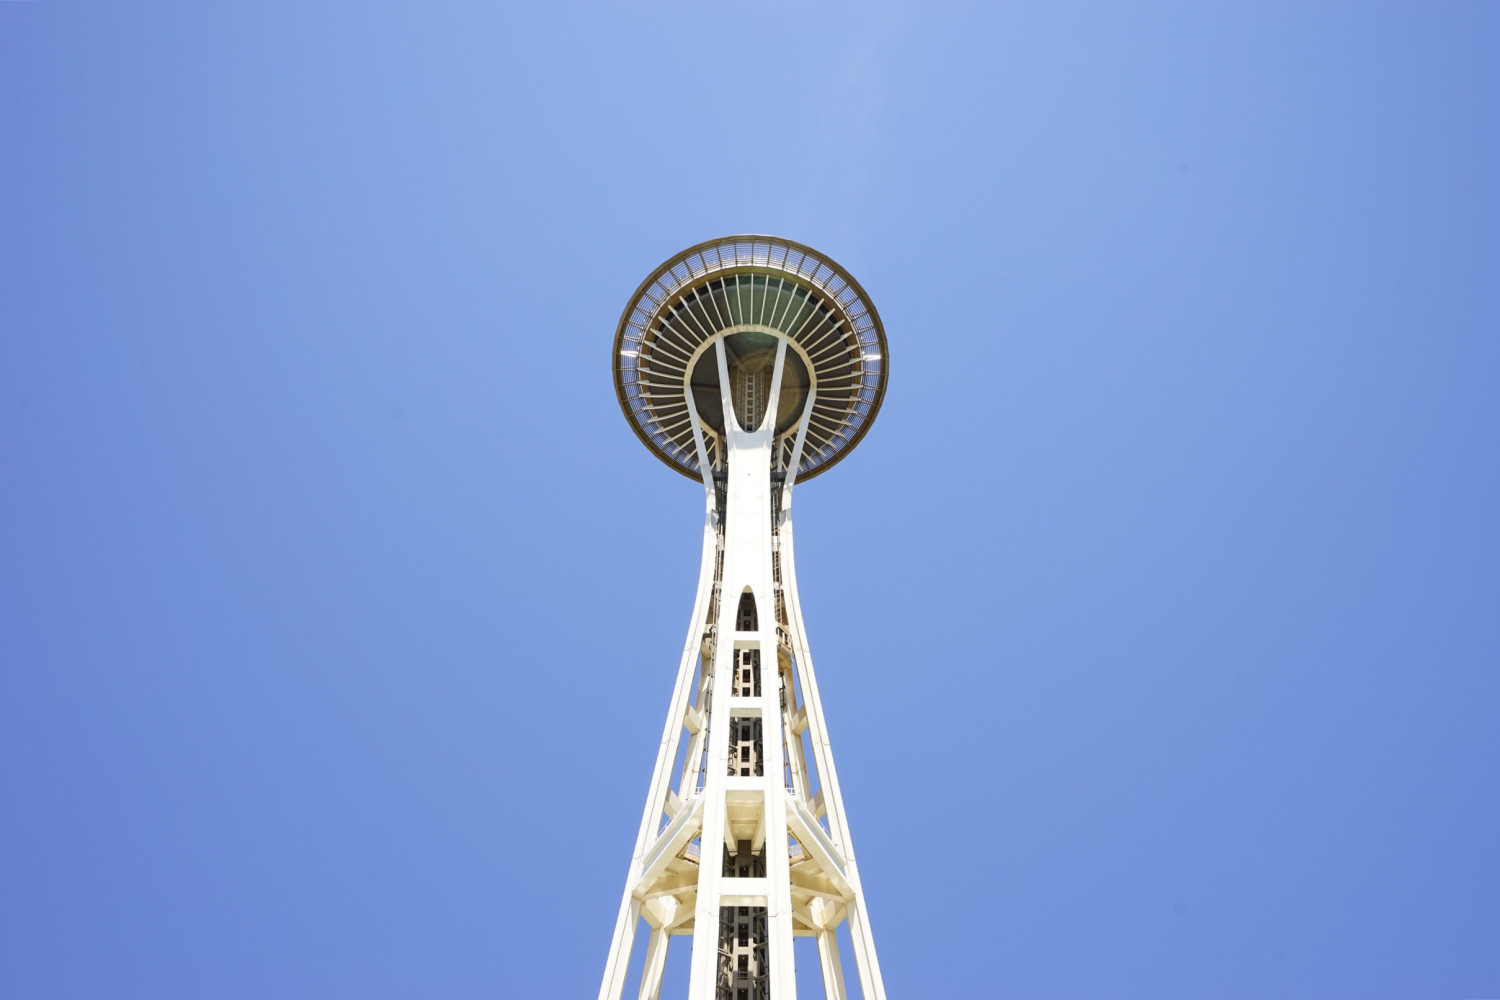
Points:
[(751, 292)]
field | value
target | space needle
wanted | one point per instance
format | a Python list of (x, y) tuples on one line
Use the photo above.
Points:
[(748, 364)]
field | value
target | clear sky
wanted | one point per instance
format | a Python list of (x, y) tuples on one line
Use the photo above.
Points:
[(1156, 617)]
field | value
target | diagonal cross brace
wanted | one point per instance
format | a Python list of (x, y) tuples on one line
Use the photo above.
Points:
[(800, 821), (684, 827)]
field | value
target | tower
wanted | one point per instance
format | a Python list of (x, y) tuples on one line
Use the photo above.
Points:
[(747, 364)]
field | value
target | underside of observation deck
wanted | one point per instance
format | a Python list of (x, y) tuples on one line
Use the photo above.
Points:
[(753, 290)]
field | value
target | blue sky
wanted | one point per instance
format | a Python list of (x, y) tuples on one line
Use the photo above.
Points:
[(1155, 617)]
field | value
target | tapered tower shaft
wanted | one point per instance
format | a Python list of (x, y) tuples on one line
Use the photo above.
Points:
[(744, 843)]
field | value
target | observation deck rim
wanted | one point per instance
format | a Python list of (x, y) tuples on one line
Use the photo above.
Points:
[(681, 257)]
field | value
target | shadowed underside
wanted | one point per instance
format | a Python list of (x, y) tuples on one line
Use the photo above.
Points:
[(752, 288)]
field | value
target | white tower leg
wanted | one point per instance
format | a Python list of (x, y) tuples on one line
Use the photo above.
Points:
[(833, 970), (767, 820), (656, 964)]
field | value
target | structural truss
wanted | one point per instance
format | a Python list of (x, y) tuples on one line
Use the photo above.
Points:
[(747, 364)]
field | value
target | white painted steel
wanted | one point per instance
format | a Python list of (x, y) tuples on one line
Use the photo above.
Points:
[(811, 879), (833, 970), (656, 964)]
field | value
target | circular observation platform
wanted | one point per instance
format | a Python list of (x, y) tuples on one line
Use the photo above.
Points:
[(752, 292)]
